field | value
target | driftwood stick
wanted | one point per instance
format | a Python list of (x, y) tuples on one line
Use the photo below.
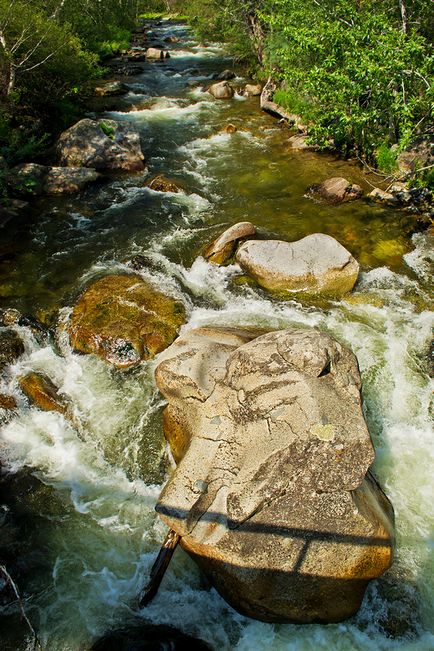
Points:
[(159, 567), (19, 601)]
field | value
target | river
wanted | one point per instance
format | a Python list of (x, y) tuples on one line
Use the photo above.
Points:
[(80, 531)]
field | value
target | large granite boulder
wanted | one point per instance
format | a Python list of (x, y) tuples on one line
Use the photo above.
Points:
[(272, 494), (124, 319), (222, 249), (315, 264), (102, 145)]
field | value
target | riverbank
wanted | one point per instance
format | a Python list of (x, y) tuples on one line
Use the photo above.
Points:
[(84, 512)]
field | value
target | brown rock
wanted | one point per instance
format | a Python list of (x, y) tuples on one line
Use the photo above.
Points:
[(42, 393), (7, 402), (230, 128), (161, 184), (123, 319), (272, 497), (11, 347), (221, 250), (336, 190), (382, 196)]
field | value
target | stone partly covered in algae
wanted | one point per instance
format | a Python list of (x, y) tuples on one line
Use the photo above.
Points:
[(272, 495), (315, 264), (222, 249), (123, 319), (42, 392)]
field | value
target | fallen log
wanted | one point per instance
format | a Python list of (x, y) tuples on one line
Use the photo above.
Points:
[(159, 568)]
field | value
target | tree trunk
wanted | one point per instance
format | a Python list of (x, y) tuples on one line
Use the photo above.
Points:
[(12, 77)]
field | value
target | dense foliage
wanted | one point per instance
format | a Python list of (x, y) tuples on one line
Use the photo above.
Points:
[(359, 70), (48, 51)]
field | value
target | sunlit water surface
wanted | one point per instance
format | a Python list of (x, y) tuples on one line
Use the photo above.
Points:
[(79, 506)]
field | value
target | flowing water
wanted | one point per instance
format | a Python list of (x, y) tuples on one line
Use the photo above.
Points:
[(78, 524)]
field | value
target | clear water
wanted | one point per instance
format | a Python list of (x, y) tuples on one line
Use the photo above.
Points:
[(80, 530)]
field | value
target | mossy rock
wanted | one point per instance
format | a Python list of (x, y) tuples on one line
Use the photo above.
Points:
[(124, 320)]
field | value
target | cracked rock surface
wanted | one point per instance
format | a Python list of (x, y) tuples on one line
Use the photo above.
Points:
[(315, 264), (272, 494)]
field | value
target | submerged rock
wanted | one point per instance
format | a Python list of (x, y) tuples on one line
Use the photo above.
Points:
[(11, 347), (222, 90), (124, 319), (222, 249), (336, 190), (315, 264), (101, 144), (149, 637), (42, 392), (272, 495), (230, 128), (162, 184), (299, 142)]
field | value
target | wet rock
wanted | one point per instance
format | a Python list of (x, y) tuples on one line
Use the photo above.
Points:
[(253, 90), (230, 128), (162, 184), (155, 53), (111, 89), (225, 75), (315, 264), (382, 196), (171, 39), (11, 347), (299, 142), (222, 90), (68, 180), (9, 316), (336, 190), (222, 249), (7, 402), (102, 145), (42, 392), (124, 319), (272, 495), (149, 637)]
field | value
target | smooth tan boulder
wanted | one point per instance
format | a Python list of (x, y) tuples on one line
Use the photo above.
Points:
[(222, 249), (315, 264), (102, 145), (124, 319), (272, 494), (253, 90), (336, 190), (222, 90)]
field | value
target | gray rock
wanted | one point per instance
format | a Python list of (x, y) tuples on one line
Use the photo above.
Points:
[(272, 493), (315, 264), (155, 53), (67, 180), (101, 144)]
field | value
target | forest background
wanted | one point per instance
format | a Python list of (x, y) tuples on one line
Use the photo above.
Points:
[(359, 72)]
